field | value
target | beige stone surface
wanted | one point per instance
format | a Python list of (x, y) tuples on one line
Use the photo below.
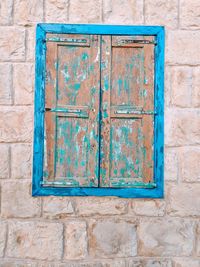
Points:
[(112, 238), (12, 43), (84, 11), (21, 160), (162, 12), (181, 47), (57, 11), (23, 83), (57, 207), (28, 12), (75, 240), (184, 200), (165, 237), (171, 164), (167, 85), (195, 87), (3, 230), (190, 14), (73, 264), (101, 206), (30, 46), (35, 240), (16, 124), (190, 164), (18, 263), (181, 86), (5, 84), (4, 156), (123, 11), (149, 207), (159, 263), (198, 240), (17, 202), (6, 12), (182, 127), (186, 262)]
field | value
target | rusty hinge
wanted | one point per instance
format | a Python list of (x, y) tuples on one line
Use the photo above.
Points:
[(71, 111), (66, 40), (63, 110), (138, 112), (130, 41)]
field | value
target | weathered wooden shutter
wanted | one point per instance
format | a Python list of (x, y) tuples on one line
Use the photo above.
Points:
[(71, 110), (127, 82)]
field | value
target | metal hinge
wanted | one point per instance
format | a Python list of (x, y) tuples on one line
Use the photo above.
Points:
[(130, 41), (138, 112), (63, 110), (66, 40)]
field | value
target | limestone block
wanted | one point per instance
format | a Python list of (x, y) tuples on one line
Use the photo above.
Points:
[(21, 160), (190, 164), (84, 11), (165, 237), (5, 84), (6, 12), (181, 86), (100, 206), (4, 156), (123, 11), (23, 83), (112, 238), (149, 207), (184, 200), (75, 240), (17, 201), (171, 163), (16, 124), (3, 227), (182, 127), (162, 12), (28, 12), (57, 11), (12, 43), (190, 14), (186, 263), (57, 207), (35, 240), (181, 47)]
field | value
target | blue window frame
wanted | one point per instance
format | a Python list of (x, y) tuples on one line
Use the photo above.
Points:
[(38, 149)]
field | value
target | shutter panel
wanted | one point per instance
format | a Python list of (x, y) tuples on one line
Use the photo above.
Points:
[(71, 152), (127, 81)]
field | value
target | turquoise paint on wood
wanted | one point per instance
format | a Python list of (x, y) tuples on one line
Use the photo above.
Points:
[(155, 190)]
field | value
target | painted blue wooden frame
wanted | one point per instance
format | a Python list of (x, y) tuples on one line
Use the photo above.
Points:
[(159, 33)]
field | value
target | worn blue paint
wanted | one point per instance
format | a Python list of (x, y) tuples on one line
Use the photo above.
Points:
[(37, 188), (100, 29)]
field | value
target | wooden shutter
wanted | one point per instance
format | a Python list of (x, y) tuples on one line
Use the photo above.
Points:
[(127, 137), (71, 110)]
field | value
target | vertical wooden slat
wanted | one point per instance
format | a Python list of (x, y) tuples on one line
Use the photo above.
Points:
[(50, 118), (105, 110), (148, 105), (148, 80), (93, 126)]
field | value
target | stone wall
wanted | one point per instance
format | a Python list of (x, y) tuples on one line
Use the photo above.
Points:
[(100, 232)]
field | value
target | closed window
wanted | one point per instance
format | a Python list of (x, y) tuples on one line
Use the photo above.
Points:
[(99, 111)]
